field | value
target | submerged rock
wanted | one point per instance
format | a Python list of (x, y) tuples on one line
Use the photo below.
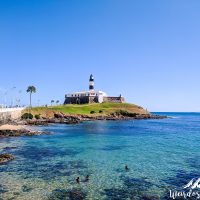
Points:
[(3, 189), (150, 197), (26, 188), (5, 158), (9, 148), (133, 188), (74, 194)]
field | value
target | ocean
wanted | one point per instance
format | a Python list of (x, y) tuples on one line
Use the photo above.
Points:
[(162, 156)]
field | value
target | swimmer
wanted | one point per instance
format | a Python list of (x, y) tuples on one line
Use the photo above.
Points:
[(77, 180), (87, 178), (126, 167)]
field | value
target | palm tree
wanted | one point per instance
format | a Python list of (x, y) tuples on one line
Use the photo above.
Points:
[(57, 101), (52, 101), (31, 89)]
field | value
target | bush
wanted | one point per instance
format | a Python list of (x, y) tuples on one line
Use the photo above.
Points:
[(100, 111), (27, 116), (92, 112), (37, 116), (125, 113), (132, 114)]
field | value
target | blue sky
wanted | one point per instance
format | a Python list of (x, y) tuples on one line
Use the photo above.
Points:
[(148, 51)]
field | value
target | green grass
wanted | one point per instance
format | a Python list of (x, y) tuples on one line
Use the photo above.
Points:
[(87, 108)]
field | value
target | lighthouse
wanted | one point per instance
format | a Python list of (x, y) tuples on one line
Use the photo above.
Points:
[(91, 96), (91, 83)]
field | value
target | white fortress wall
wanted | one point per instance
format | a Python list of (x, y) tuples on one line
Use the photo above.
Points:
[(10, 113)]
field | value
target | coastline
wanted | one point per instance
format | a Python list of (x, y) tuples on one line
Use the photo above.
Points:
[(28, 127), (60, 118), (76, 113)]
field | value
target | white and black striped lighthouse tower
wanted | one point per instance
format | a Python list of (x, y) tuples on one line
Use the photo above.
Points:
[(91, 83)]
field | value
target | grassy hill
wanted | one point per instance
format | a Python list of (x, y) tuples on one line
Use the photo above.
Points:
[(85, 109)]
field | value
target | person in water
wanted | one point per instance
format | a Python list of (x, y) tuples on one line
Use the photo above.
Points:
[(78, 180), (126, 167), (87, 178)]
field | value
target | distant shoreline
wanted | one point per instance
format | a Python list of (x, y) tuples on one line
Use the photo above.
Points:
[(73, 114)]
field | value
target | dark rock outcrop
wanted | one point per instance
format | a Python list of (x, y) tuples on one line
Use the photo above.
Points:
[(5, 158), (65, 119), (38, 122), (61, 118), (58, 115), (121, 116), (73, 194), (20, 132), (9, 148)]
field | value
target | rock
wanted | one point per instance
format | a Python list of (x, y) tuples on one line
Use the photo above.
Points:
[(58, 115), (5, 158), (62, 118), (70, 119), (73, 194), (26, 188), (38, 122), (65, 120), (20, 132), (149, 197), (100, 118), (9, 148)]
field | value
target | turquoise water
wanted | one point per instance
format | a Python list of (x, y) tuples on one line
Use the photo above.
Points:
[(161, 155)]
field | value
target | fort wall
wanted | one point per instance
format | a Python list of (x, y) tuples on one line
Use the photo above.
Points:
[(7, 114), (92, 99), (81, 100), (114, 99)]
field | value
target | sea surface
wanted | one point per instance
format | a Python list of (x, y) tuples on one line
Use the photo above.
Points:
[(161, 154)]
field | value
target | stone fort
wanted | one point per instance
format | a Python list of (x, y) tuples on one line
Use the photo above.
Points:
[(91, 96)]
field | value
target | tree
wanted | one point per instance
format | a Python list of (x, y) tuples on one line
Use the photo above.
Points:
[(52, 101), (31, 89), (57, 101)]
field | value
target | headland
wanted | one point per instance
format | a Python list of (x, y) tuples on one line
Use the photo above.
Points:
[(74, 113)]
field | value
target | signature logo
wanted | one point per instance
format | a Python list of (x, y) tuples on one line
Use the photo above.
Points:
[(190, 190), (192, 184)]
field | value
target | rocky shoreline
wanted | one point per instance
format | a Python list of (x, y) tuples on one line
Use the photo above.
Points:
[(61, 118), (21, 132), (22, 128), (14, 129)]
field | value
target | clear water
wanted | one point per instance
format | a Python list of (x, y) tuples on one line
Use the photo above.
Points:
[(161, 154)]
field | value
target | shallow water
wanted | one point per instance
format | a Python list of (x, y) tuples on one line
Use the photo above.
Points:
[(161, 154)]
